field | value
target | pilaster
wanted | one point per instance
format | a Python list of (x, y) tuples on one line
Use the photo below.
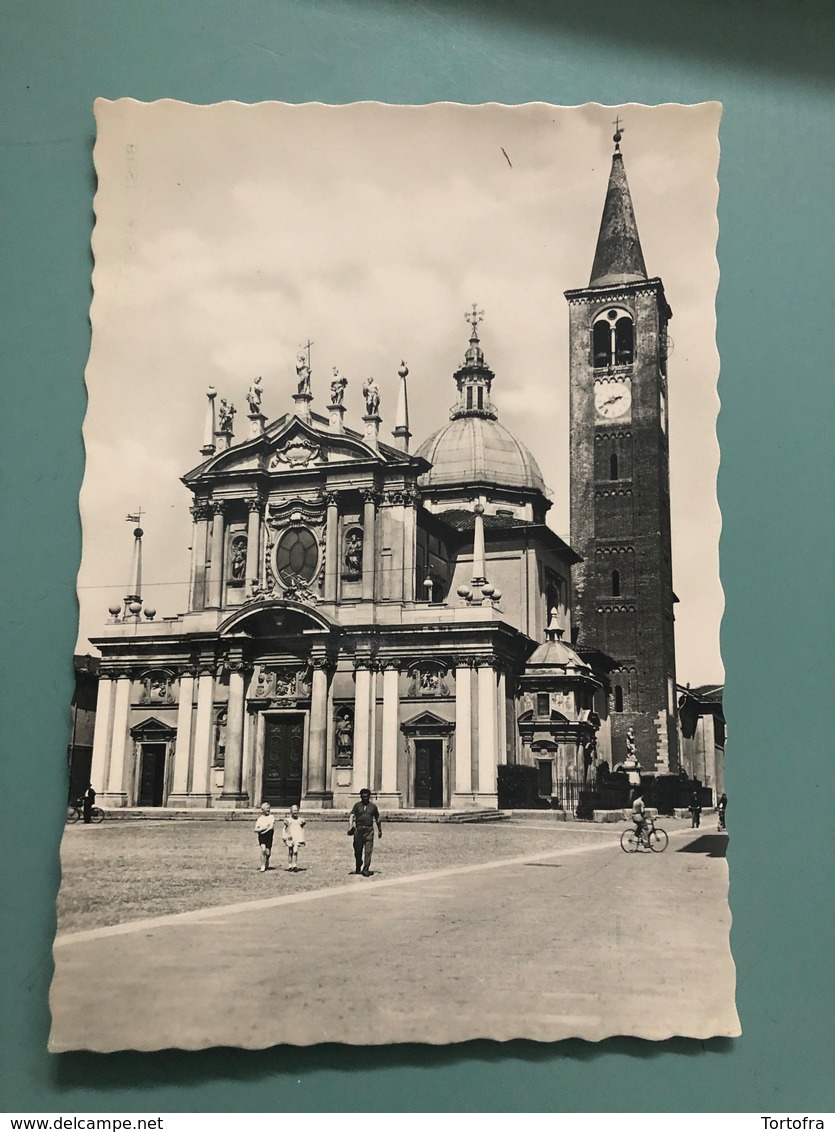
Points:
[(182, 746), (369, 549), (253, 541), (233, 794), (218, 506), (487, 793), (199, 538), (362, 725), (102, 734), (200, 794), (317, 758), (331, 546), (463, 793), (388, 795), (116, 794)]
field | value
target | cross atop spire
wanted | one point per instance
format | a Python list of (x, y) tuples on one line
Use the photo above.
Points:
[(618, 133)]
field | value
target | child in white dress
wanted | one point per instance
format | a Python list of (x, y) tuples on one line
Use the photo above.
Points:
[(293, 837)]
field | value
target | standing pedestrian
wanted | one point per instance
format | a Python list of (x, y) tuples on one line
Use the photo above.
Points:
[(293, 837), (265, 828), (723, 805), (364, 816), (695, 811), (88, 800)]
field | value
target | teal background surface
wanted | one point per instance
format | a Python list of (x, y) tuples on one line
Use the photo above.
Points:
[(769, 63)]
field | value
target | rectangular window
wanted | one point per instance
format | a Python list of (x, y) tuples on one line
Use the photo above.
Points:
[(543, 704)]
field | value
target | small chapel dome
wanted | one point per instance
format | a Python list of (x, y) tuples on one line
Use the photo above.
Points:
[(554, 655)]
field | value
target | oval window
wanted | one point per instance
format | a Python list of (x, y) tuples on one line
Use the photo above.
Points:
[(297, 556)]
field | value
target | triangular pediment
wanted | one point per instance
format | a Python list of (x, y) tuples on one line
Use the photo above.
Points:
[(427, 723), (292, 444), (152, 728)]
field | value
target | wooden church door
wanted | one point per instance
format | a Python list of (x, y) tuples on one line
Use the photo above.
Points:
[(283, 760), (429, 773)]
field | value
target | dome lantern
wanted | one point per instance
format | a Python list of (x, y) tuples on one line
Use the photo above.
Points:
[(474, 379)]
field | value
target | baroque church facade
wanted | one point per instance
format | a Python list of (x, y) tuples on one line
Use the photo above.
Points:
[(361, 614)]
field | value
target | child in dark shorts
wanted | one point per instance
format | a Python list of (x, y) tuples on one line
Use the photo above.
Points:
[(265, 829)]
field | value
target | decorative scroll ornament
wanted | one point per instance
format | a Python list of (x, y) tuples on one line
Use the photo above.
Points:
[(296, 453)]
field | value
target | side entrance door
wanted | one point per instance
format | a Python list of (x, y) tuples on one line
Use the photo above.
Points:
[(283, 760), (152, 774), (429, 773)]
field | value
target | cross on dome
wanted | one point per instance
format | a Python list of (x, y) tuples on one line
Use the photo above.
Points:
[(474, 317)]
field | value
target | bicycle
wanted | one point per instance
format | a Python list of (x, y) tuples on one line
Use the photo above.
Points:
[(631, 840), (75, 811)]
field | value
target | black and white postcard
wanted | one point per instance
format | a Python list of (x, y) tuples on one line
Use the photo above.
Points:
[(398, 710)]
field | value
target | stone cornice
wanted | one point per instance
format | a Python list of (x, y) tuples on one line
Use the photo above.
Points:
[(612, 291)]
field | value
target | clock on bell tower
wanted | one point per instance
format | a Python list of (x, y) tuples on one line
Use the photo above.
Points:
[(620, 492)]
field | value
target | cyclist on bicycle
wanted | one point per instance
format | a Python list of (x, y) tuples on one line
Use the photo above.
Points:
[(639, 813)]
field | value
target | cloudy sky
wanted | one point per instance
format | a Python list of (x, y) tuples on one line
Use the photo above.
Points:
[(228, 235)]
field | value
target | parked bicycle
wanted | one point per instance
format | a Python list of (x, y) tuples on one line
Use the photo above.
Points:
[(75, 812), (650, 837)]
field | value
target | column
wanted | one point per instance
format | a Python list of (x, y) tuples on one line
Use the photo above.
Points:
[(362, 726), (199, 536), (253, 542), (234, 761), (487, 794), (101, 736), (389, 794), (409, 544), (463, 732), (182, 746), (317, 758), (331, 546), (213, 600), (369, 544), (501, 718), (116, 794), (203, 724)]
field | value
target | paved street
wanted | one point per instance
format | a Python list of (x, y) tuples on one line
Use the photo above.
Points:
[(578, 939)]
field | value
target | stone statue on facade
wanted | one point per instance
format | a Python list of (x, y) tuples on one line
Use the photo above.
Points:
[(353, 552), (238, 563), (253, 397), (226, 411), (303, 374), (371, 393), (344, 735), (338, 387)]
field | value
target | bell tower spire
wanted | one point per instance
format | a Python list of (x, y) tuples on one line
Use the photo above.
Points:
[(618, 257), (620, 488)]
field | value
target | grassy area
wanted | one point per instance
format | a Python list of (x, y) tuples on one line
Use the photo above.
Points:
[(122, 871)]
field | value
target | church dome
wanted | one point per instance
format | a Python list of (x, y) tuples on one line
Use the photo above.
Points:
[(474, 447), (478, 449)]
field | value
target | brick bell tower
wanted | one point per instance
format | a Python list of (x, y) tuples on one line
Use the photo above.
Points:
[(620, 485)]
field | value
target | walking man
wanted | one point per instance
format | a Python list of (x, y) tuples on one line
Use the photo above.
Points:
[(88, 800), (695, 808), (364, 816)]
